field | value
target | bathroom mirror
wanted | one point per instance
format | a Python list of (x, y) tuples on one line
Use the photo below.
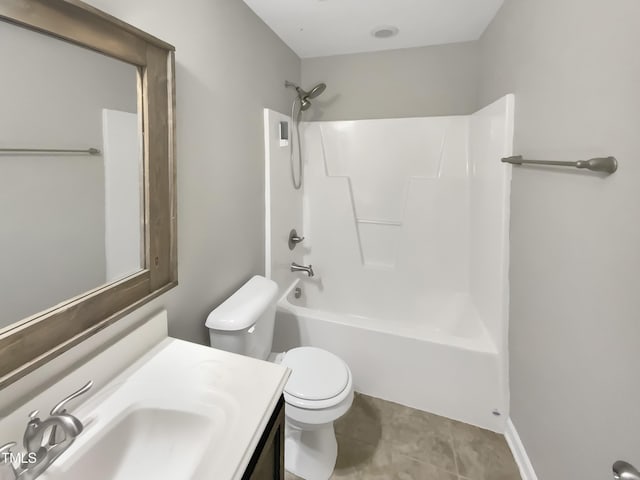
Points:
[(70, 165), (86, 176)]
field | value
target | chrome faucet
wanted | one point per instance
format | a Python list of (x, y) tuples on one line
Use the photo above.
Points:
[(43, 441), (308, 269), (60, 409)]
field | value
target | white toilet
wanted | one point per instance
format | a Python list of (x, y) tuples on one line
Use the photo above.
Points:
[(319, 391)]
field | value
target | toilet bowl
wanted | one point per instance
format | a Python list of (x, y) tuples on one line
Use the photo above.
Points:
[(318, 392)]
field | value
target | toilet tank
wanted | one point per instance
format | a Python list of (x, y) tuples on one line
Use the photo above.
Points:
[(244, 322)]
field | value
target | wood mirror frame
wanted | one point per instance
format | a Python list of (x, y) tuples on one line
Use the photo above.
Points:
[(33, 341)]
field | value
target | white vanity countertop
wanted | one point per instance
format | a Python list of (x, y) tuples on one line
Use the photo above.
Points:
[(225, 399), (179, 411)]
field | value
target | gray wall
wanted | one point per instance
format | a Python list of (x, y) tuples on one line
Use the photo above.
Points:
[(230, 66), (52, 245), (412, 82), (574, 320), (575, 262)]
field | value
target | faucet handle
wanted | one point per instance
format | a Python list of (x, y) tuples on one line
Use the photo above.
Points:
[(34, 422), (5, 450), (294, 239), (29, 439), (60, 407)]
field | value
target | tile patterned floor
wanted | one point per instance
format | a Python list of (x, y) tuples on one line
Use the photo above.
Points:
[(380, 440)]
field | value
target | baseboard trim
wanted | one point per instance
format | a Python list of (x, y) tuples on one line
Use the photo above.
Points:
[(519, 453)]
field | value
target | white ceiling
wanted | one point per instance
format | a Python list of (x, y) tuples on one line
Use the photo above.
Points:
[(315, 28)]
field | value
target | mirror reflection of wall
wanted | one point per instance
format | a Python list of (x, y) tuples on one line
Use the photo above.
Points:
[(59, 211)]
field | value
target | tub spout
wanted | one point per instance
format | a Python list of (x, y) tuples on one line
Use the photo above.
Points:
[(308, 269)]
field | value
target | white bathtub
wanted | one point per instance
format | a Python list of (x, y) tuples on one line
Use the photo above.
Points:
[(448, 366)]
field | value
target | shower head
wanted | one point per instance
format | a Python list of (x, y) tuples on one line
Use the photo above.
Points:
[(313, 93), (305, 96), (303, 101), (317, 90)]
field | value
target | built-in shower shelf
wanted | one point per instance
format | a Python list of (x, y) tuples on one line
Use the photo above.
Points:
[(378, 242), (390, 223)]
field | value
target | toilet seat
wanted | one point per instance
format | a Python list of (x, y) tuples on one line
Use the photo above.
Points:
[(319, 379)]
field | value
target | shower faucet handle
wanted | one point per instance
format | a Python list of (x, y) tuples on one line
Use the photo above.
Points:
[(294, 239)]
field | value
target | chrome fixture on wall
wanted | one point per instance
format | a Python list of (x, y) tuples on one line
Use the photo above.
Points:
[(44, 441), (308, 269), (604, 164), (625, 471), (294, 239), (88, 151), (302, 101)]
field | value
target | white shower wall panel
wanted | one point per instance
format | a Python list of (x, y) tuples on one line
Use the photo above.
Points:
[(381, 156), (123, 202), (490, 138), (283, 203), (386, 212)]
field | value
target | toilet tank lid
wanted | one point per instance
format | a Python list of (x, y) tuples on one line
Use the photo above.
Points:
[(244, 307)]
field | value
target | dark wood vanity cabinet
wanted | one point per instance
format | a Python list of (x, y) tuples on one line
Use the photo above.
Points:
[(267, 462)]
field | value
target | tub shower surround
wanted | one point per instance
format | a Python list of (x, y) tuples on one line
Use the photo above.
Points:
[(406, 225)]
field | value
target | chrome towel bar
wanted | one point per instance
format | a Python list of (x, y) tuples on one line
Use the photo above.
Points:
[(90, 151), (604, 164)]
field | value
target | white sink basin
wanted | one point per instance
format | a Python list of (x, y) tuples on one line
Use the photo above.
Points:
[(145, 443), (182, 412)]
